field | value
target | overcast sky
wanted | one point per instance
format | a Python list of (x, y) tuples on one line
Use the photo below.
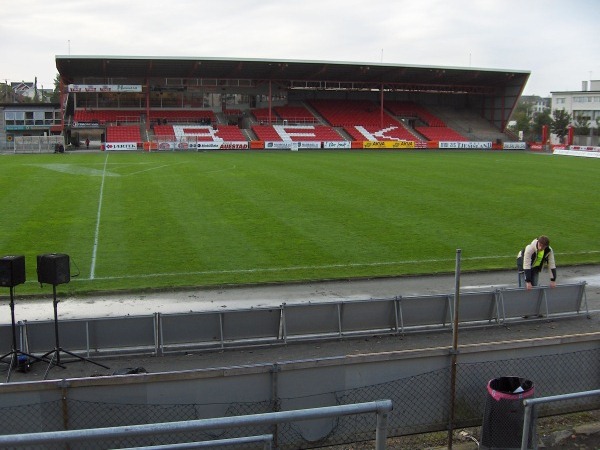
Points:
[(558, 41)]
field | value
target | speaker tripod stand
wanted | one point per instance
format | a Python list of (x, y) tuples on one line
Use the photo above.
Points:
[(57, 350), (15, 352)]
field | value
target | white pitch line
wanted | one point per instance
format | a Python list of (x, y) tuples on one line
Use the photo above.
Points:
[(152, 168), (326, 266), (97, 232)]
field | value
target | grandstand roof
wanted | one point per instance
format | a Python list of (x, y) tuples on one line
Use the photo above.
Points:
[(294, 73)]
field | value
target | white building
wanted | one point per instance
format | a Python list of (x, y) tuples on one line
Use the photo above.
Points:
[(584, 103)]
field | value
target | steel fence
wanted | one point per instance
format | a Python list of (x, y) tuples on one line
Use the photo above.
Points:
[(421, 403)]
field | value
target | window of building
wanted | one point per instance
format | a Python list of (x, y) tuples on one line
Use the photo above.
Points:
[(14, 117)]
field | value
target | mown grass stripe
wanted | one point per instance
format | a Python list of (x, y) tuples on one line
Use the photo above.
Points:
[(250, 217)]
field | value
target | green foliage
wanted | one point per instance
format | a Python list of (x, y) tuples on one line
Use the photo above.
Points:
[(582, 125), (144, 221), (560, 121), (541, 120), (55, 97)]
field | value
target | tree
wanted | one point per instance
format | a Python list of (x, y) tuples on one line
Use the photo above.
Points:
[(523, 124), (55, 98), (582, 125), (539, 122), (7, 94), (560, 121)]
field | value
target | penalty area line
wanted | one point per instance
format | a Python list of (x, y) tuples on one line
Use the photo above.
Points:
[(321, 267), (288, 269)]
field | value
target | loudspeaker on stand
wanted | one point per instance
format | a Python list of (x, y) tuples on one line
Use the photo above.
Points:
[(12, 270), (53, 268)]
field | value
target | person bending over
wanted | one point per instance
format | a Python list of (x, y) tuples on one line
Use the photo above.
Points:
[(532, 259)]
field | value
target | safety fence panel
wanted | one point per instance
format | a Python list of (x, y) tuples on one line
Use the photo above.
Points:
[(478, 307), (137, 331), (423, 311), (194, 328), (518, 302), (108, 335), (251, 325), (566, 298), (160, 333), (369, 316), (311, 320), (5, 339)]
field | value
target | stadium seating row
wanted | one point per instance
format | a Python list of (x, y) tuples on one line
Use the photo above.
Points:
[(228, 133), (341, 113), (106, 116), (412, 109), (286, 113), (295, 114), (440, 134), (360, 119), (396, 132), (124, 133), (297, 133)]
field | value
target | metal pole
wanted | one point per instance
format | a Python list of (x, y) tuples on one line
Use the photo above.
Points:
[(454, 350), (381, 431), (12, 317), (526, 423), (55, 304)]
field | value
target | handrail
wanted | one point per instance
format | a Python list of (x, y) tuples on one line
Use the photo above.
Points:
[(530, 403), (266, 439), (380, 407)]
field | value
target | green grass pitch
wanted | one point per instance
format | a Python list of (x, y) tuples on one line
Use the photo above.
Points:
[(136, 220)]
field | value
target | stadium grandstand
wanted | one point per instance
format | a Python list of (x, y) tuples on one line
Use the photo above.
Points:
[(160, 103)]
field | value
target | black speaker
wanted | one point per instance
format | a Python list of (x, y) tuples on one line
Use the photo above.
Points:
[(12, 270), (53, 268)]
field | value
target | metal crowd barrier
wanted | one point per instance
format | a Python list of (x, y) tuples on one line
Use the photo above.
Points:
[(167, 333)]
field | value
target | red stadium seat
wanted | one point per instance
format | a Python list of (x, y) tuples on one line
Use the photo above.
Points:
[(124, 133), (340, 113)]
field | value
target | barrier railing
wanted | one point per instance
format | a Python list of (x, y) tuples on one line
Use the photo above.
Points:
[(530, 404), (380, 407), (163, 333)]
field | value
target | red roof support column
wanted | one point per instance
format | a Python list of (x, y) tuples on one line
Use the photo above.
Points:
[(502, 119), (270, 96), (147, 105), (61, 90), (381, 106)]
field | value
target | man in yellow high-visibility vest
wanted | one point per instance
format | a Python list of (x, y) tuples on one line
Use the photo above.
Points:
[(532, 259)]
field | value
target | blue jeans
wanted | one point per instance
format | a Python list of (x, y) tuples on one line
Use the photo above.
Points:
[(535, 276)]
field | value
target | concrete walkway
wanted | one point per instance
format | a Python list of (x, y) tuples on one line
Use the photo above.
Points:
[(211, 299)]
